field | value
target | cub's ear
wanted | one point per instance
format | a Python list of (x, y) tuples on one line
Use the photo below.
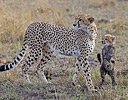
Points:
[(114, 39), (91, 19)]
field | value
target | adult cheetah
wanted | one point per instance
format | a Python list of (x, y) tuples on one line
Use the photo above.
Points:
[(43, 39)]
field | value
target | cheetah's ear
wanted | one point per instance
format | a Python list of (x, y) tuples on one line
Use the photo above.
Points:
[(91, 19)]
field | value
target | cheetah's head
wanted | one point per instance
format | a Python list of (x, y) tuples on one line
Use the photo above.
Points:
[(108, 39), (82, 21)]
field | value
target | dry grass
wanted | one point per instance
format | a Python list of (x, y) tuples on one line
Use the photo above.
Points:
[(104, 3), (111, 17), (15, 20)]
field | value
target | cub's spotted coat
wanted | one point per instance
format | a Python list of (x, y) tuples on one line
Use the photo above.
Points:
[(108, 58)]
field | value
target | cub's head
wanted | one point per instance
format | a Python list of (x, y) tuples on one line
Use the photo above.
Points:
[(82, 21), (108, 39)]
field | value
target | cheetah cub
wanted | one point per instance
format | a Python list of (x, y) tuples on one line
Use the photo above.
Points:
[(108, 58)]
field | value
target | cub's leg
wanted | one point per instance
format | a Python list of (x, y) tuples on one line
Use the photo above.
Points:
[(111, 73), (46, 57), (33, 57), (103, 73)]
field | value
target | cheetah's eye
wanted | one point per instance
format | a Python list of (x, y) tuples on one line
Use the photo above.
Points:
[(79, 19)]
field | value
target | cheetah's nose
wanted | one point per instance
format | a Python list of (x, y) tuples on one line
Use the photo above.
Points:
[(74, 24)]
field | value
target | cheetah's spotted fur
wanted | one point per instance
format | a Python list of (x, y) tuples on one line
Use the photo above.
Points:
[(43, 39)]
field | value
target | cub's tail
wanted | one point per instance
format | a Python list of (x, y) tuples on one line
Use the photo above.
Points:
[(16, 61), (99, 57)]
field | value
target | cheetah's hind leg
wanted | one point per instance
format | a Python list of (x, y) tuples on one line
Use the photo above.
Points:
[(32, 58), (46, 57)]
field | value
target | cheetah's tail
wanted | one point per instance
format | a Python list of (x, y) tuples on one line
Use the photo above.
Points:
[(15, 61), (99, 57)]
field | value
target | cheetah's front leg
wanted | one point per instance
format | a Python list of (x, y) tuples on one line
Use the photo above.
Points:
[(76, 72), (87, 74)]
